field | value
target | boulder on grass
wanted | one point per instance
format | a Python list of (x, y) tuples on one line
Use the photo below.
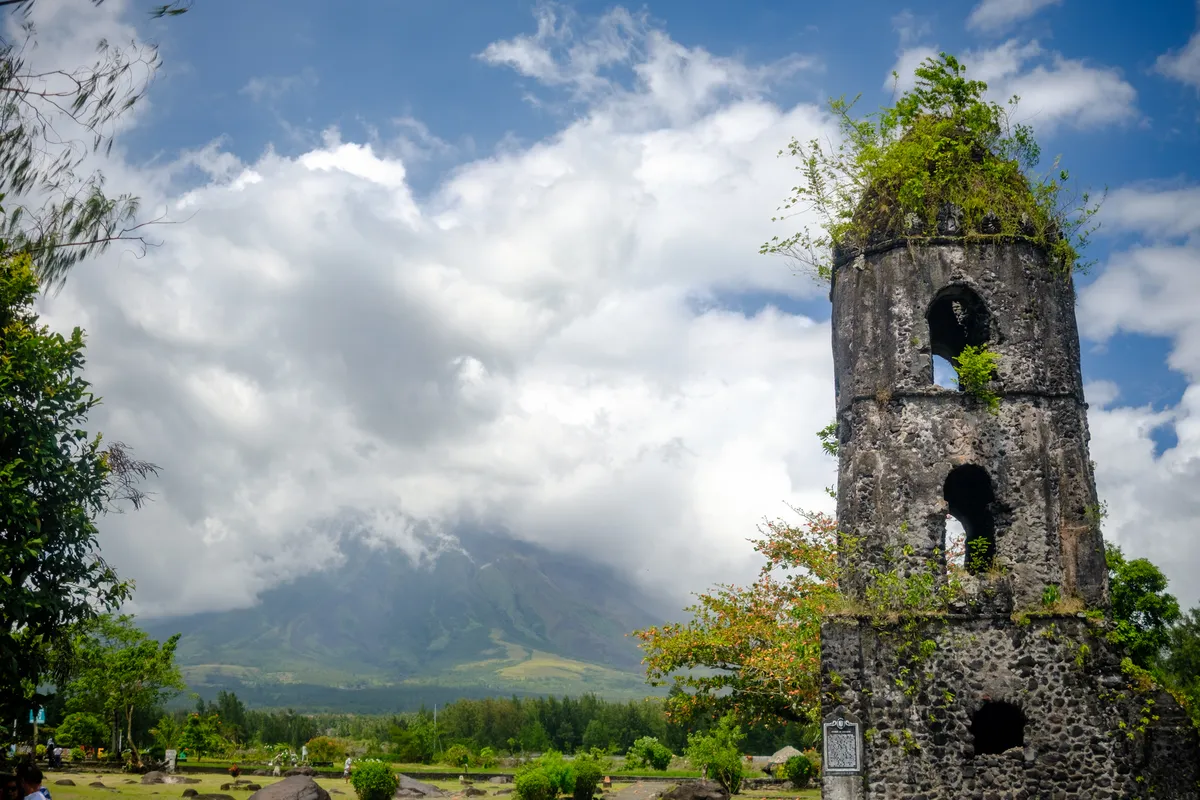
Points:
[(65, 782), (97, 785), (411, 787), (297, 787), (253, 787), (471, 791), (697, 790), (213, 797), (189, 793), (154, 777)]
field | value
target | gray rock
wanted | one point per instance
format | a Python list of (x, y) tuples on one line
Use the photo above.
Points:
[(413, 785), (253, 787), (64, 782), (697, 790), (296, 787), (189, 793), (471, 791), (154, 777), (97, 785)]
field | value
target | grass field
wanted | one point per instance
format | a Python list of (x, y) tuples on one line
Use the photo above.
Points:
[(115, 785)]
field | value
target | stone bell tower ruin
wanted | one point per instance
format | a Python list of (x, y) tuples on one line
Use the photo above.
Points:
[(1012, 689)]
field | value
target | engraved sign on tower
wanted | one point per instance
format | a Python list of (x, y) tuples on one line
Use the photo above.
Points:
[(1012, 689)]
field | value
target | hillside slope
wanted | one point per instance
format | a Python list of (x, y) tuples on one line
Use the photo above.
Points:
[(489, 615)]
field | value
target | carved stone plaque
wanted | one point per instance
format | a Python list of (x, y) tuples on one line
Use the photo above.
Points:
[(843, 753)]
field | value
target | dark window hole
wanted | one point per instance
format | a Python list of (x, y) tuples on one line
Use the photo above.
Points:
[(997, 727)]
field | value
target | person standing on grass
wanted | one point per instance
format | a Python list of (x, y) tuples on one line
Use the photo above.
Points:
[(346, 770)]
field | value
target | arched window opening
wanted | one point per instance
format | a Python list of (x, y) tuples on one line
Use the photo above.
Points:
[(957, 317), (968, 493), (997, 727)]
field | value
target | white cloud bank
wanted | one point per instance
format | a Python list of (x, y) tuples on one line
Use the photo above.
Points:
[(535, 345), (1152, 288), (1054, 91)]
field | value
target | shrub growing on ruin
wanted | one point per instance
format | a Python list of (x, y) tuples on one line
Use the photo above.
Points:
[(941, 144)]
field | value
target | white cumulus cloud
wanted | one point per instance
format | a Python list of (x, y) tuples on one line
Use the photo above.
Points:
[(541, 343), (992, 16)]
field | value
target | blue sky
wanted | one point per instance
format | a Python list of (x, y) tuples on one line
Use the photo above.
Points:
[(497, 261), (361, 67)]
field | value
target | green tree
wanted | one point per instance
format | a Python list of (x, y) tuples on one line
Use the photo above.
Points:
[(167, 732), (55, 480), (81, 730), (718, 753), (123, 670), (1180, 664), (325, 748), (201, 736), (1142, 609)]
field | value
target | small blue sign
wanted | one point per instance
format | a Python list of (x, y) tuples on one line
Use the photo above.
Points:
[(40, 719)]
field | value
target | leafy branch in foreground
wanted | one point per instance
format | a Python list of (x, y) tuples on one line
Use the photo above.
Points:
[(754, 651), (52, 121), (940, 144)]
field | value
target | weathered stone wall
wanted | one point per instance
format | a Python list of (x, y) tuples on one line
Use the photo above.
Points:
[(915, 685), (900, 435), (1082, 739)]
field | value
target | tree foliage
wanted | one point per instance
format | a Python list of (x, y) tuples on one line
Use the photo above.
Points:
[(754, 651), (649, 752), (1179, 667), (81, 730), (718, 753), (55, 480), (1142, 608), (53, 120), (123, 670), (939, 143)]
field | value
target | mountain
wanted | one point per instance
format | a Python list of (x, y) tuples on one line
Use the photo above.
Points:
[(485, 615)]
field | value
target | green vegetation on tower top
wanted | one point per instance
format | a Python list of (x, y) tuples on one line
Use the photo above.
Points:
[(941, 146)]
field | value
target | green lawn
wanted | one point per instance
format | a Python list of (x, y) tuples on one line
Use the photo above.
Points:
[(115, 785)]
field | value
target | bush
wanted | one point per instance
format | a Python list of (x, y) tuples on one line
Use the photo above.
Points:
[(325, 748), (77, 754), (487, 758), (588, 773), (457, 756), (40, 751), (532, 783), (649, 752), (560, 772), (799, 770), (373, 780)]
